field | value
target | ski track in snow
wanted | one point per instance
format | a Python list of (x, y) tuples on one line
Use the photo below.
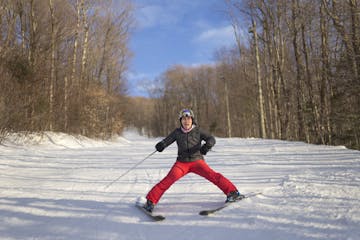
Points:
[(54, 187)]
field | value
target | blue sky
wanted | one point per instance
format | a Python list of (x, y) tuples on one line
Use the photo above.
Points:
[(170, 32)]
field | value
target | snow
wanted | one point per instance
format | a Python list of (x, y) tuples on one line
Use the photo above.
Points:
[(53, 186)]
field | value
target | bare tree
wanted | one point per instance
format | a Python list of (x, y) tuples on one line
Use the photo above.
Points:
[(44, 60), (52, 65), (325, 89), (259, 80)]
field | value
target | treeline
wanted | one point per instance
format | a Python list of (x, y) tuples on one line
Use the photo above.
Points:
[(293, 74), (62, 65)]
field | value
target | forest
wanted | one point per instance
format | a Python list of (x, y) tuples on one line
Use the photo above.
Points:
[(292, 73)]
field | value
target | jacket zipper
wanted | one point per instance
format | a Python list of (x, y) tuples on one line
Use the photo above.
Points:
[(187, 144)]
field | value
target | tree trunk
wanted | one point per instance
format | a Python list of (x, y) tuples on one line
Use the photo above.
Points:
[(52, 66), (325, 88), (66, 104), (302, 130), (74, 82), (228, 116), (314, 115), (259, 81), (85, 46)]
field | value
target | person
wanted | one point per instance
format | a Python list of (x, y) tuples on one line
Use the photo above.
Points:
[(193, 143)]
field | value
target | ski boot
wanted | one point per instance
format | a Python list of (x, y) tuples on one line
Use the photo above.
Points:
[(149, 206), (234, 196)]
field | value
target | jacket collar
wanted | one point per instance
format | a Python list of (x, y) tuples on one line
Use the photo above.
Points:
[(187, 130)]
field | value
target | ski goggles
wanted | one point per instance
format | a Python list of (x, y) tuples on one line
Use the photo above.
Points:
[(186, 113)]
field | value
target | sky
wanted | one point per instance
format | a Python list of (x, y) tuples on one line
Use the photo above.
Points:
[(171, 32)]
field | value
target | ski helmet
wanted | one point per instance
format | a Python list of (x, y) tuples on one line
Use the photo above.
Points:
[(186, 113)]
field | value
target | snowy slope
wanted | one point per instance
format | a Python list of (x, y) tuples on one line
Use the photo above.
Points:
[(54, 187)]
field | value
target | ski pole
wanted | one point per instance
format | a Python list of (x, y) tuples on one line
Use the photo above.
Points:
[(130, 169)]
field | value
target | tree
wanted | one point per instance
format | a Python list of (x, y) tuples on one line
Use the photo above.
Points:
[(48, 66), (52, 65), (258, 79), (296, 78)]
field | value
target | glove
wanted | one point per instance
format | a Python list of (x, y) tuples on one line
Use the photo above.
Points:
[(160, 146), (204, 149)]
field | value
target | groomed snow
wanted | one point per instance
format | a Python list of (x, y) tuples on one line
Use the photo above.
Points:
[(54, 187)]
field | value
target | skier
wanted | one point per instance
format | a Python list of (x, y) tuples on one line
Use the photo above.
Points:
[(190, 158)]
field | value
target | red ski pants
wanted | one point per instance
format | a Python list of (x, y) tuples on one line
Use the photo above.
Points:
[(180, 169)]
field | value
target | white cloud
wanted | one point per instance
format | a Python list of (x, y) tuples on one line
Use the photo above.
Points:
[(217, 37), (160, 13), (133, 76), (154, 15)]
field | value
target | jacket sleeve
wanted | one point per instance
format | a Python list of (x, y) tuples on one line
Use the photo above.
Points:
[(169, 139), (208, 138)]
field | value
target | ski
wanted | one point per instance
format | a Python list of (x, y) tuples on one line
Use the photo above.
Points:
[(226, 204), (151, 215)]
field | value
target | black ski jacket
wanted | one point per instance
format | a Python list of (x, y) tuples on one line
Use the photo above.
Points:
[(189, 144)]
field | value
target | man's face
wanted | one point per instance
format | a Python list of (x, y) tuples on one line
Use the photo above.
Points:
[(186, 122)]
